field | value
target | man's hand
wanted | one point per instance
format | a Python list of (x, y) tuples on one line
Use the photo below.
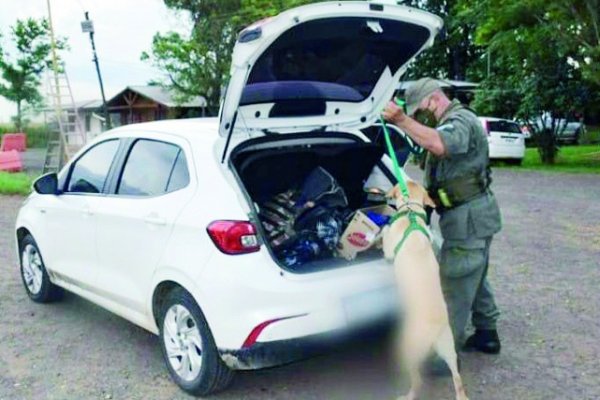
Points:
[(426, 137), (394, 114)]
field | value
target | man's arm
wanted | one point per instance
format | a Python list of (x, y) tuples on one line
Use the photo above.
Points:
[(426, 137)]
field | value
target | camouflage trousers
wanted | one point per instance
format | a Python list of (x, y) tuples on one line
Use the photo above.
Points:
[(467, 291)]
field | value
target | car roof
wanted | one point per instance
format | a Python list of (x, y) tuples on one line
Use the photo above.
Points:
[(497, 119), (192, 129)]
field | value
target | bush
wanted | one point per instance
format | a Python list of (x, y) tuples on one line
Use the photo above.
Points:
[(591, 135), (37, 134)]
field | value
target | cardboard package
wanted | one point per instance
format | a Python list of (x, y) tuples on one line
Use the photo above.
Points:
[(361, 233)]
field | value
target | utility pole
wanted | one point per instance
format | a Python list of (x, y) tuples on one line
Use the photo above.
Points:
[(57, 97), (88, 26)]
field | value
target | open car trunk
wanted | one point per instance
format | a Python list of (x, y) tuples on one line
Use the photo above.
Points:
[(271, 166)]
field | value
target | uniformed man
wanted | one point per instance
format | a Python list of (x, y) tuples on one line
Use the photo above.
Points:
[(457, 177)]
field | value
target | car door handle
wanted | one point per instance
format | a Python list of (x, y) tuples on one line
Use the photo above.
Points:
[(86, 211), (154, 219)]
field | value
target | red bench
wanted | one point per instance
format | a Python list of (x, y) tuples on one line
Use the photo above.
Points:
[(11, 161), (13, 141)]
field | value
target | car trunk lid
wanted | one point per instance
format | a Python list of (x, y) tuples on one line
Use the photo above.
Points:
[(332, 65)]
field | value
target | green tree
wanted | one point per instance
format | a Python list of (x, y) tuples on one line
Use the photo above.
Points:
[(534, 76), (454, 54), (21, 69), (578, 22), (198, 64)]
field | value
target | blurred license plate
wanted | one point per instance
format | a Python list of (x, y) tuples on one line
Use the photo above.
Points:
[(371, 306), (509, 139)]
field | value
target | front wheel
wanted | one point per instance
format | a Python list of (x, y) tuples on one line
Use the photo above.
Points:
[(188, 347), (34, 275)]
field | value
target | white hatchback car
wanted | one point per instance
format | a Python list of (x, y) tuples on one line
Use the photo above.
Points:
[(506, 140), (158, 222)]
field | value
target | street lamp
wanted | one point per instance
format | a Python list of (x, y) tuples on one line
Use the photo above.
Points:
[(87, 26)]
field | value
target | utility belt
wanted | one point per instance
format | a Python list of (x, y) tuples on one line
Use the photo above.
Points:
[(456, 192)]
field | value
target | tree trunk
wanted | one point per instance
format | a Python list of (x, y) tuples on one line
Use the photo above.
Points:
[(19, 118), (547, 145)]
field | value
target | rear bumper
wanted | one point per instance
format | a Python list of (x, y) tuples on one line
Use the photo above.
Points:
[(281, 352), (514, 151)]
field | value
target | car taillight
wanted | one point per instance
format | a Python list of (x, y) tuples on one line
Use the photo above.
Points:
[(234, 237), (486, 126)]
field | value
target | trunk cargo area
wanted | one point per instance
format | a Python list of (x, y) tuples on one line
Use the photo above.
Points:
[(276, 166)]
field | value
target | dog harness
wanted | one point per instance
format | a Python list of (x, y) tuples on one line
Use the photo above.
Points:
[(413, 225)]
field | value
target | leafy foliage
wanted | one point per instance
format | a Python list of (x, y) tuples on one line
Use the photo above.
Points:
[(454, 54), (535, 76), (21, 70)]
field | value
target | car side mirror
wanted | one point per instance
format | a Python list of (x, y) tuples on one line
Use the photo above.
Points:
[(47, 184)]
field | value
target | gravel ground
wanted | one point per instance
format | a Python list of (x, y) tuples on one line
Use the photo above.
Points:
[(545, 268)]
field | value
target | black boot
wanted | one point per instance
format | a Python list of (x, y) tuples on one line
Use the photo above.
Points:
[(483, 340)]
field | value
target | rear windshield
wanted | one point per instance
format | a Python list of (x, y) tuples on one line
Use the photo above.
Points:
[(332, 59), (503, 126)]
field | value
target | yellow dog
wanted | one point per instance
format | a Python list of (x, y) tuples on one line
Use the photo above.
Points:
[(406, 241)]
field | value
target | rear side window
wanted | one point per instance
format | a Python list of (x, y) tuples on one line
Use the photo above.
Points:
[(153, 168), (180, 176), (503, 126), (90, 171)]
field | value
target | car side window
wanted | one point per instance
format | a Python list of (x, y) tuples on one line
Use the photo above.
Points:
[(180, 177), (89, 172), (153, 168)]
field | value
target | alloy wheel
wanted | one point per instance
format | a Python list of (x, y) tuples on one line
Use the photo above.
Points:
[(183, 343), (32, 268)]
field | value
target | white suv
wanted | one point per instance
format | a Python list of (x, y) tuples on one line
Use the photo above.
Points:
[(505, 138), (159, 222)]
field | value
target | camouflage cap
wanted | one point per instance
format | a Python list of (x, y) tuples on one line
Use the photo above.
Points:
[(418, 91)]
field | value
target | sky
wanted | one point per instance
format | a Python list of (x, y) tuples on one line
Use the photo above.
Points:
[(124, 29)]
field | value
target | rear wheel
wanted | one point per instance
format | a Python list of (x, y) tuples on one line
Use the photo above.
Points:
[(514, 161), (188, 347), (34, 275)]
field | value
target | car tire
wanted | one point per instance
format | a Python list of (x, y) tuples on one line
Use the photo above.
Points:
[(34, 275), (514, 161), (188, 346)]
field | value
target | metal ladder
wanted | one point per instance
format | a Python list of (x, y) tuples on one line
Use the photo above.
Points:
[(65, 130)]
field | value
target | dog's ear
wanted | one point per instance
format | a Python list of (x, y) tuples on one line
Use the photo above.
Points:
[(416, 188), (394, 193), (413, 187), (427, 199)]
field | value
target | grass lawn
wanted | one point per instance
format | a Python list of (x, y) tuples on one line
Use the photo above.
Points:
[(576, 159), (15, 183)]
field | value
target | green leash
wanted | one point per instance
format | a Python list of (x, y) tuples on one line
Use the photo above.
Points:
[(392, 153), (412, 215)]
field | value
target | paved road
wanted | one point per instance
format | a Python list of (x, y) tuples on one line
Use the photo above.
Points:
[(545, 266)]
